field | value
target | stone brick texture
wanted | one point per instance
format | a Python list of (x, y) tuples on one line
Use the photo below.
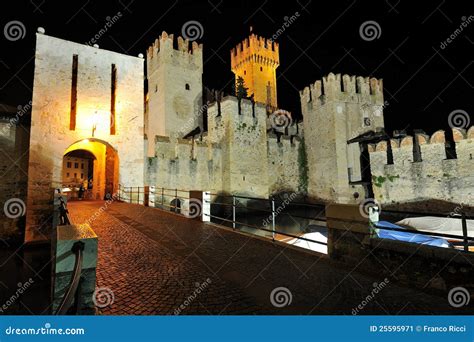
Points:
[(153, 261)]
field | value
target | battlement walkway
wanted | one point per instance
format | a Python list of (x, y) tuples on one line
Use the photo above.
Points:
[(157, 262)]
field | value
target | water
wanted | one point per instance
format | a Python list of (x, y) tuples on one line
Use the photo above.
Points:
[(293, 220)]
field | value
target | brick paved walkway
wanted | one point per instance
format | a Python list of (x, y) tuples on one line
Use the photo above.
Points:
[(156, 262)]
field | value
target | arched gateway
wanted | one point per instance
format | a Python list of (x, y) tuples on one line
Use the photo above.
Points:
[(98, 175), (84, 99)]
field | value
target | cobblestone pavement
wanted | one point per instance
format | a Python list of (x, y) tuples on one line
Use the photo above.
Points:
[(156, 262)]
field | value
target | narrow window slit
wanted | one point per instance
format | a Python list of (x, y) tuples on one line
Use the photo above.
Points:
[(73, 112)]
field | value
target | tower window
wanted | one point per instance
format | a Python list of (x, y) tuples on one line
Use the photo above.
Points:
[(113, 95), (156, 88), (187, 86), (72, 115), (261, 69), (245, 72)]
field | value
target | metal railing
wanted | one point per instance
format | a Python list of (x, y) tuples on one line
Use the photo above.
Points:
[(72, 293), (465, 238), (173, 200), (272, 210), (132, 194), (154, 197), (173, 195), (63, 211)]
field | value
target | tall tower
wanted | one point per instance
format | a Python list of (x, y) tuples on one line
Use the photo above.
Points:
[(174, 88), (336, 110), (256, 60)]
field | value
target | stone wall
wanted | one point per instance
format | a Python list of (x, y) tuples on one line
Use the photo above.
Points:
[(185, 165), (235, 156), (420, 266), (284, 169), (434, 177), (51, 134), (13, 166), (335, 110)]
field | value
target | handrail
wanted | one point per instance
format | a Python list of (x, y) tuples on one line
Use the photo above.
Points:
[(276, 199), (266, 211), (178, 190), (272, 211), (462, 216), (447, 215), (63, 211), (68, 297), (267, 230), (423, 232)]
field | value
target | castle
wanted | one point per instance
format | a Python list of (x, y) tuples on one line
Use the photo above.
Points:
[(338, 153)]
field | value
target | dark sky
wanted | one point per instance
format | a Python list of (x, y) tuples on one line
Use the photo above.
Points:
[(423, 82)]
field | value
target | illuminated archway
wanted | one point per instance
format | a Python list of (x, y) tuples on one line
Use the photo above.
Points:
[(105, 177)]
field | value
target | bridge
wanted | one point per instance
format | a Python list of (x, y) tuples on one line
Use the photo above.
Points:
[(154, 261)]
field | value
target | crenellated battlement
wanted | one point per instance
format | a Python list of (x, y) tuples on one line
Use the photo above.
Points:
[(255, 49), (167, 149), (430, 146), (180, 52), (344, 88), (419, 168), (229, 105)]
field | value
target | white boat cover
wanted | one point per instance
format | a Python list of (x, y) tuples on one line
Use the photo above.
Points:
[(317, 247), (443, 225)]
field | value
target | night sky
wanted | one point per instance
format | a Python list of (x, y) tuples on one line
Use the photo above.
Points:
[(423, 82)]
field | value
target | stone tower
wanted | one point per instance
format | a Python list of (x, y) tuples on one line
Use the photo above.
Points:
[(335, 110), (256, 60), (240, 131), (84, 99), (174, 88)]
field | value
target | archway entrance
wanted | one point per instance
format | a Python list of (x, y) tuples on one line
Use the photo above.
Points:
[(78, 174), (92, 163)]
